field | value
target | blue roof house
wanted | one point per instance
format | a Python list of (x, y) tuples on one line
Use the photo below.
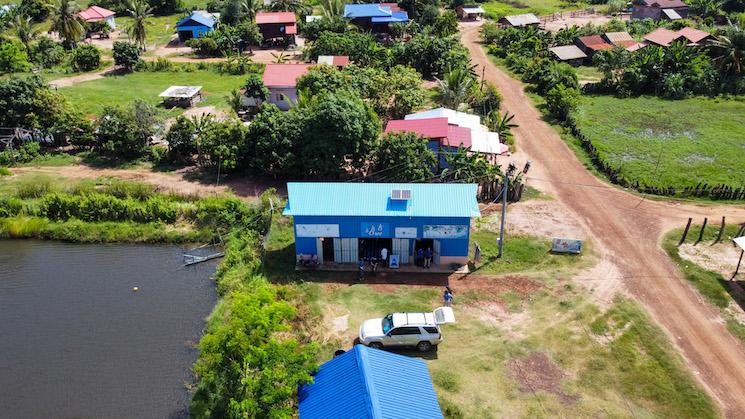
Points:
[(373, 384), (376, 16), (342, 223), (195, 25)]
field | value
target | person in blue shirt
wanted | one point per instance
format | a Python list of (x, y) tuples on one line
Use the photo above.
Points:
[(419, 259), (447, 296)]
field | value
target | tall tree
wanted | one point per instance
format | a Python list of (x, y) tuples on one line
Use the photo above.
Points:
[(24, 29), (454, 91), (402, 157), (728, 50), (66, 22), (251, 7), (332, 8), (140, 12)]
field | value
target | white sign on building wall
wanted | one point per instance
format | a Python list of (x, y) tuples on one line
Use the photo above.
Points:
[(445, 231), (405, 232), (317, 230)]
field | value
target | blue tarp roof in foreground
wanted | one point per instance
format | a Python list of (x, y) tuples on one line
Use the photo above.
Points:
[(376, 199), (370, 383)]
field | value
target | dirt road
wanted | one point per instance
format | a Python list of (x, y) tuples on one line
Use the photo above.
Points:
[(628, 231)]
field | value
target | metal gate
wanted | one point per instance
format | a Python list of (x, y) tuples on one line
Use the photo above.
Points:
[(345, 250), (436, 251), (401, 248)]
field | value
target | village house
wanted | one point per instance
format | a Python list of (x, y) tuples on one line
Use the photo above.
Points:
[(98, 14), (591, 44), (338, 61), (370, 383), (341, 223), (281, 80), (375, 17), (196, 25), (659, 9), (664, 37), (277, 26), (570, 54), (519, 21), (470, 12)]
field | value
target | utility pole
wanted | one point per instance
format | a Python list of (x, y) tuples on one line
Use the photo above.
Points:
[(505, 188)]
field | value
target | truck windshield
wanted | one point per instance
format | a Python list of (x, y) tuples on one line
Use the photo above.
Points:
[(387, 323)]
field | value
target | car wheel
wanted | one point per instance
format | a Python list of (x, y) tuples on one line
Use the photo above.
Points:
[(424, 347), (376, 345)]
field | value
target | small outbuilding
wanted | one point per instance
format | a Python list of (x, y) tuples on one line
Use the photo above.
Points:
[(277, 25), (181, 96), (195, 25), (591, 44), (344, 222), (281, 80), (470, 12), (519, 21), (694, 36), (619, 39), (371, 384), (568, 53), (659, 9), (662, 37), (337, 61), (98, 14)]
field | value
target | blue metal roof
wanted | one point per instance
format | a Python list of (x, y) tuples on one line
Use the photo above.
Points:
[(352, 11), (373, 384), (374, 199), (395, 17), (199, 18)]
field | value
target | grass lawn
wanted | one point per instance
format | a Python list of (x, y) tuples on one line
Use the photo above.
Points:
[(90, 97), (498, 9), (669, 143), (588, 74), (160, 29)]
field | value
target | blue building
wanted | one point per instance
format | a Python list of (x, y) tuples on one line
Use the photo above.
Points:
[(343, 222), (375, 16), (195, 25), (370, 383)]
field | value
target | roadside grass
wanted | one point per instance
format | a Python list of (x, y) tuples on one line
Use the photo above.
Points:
[(716, 289), (531, 193), (52, 159), (615, 362), (664, 143), (122, 90), (56, 73), (588, 74), (498, 9), (521, 254)]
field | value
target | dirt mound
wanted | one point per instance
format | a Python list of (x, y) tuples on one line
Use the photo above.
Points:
[(536, 372)]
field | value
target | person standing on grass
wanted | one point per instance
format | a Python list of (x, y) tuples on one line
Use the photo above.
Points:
[(447, 296), (428, 258)]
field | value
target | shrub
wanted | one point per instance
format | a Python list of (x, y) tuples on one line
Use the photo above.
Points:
[(34, 187), (222, 213), (126, 54), (562, 100), (23, 154), (12, 58), (21, 227), (10, 206), (85, 58), (204, 47), (4, 171), (47, 52)]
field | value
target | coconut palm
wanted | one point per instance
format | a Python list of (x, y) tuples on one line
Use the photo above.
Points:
[(728, 50), (295, 6), (140, 12), (280, 58), (456, 89), (251, 7), (66, 22), (24, 29), (501, 124)]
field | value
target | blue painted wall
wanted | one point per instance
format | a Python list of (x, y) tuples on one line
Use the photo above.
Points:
[(350, 227), (197, 31)]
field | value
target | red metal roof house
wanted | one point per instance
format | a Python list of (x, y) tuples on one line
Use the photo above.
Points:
[(98, 14), (281, 80), (590, 44), (277, 25), (659, 9)]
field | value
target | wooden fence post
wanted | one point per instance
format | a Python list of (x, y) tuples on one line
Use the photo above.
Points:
[(685, 232), (701, 233), (721, 230)]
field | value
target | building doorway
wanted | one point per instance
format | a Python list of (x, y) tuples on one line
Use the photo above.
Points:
[(372, 248), (325, 246), (422, 244)]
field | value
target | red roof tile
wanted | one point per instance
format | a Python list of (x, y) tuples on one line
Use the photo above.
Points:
[(662, 36), (457, 136), (434, 128), (95, 14), (283, 75), (341, 60), (693, 35), (592, 40), (664, 4), (275, 17)]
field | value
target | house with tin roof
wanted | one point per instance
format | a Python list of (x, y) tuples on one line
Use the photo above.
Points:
[(281, 80), (195, 25), (470, 12), (277, 25), (342, 222), (568, 53), (375, 17), (591, 44), (694, 36), (519, 21), (659, 9), (662, 37), (337, 61), (98, 14), (366, 383)]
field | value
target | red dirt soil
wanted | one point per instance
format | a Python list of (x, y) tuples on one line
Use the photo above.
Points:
[(628, 230)]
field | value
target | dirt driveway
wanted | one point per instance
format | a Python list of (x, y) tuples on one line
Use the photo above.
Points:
[(628, 230)]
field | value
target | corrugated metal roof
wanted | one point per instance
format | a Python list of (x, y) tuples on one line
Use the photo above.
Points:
[(283, 75), (460, 119), (373, 199), (664, 4), (352, 11), (198, 17), (618, 38), (671, 14), (522, 20), (568, 52), (662, 36), (393, 18), (434, 128), (95, 14), (370, 383), (458, 136), (474, 10), (274, 17), (334, 60), (592, 40), (693, 35)]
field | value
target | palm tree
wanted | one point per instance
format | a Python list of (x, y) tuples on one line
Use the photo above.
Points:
[(280, 58), (295, 6), (332, 8), (66, 22), (24, 29), (728, 51), (251, 7), (455, 90), (501, 124), (137, 30)]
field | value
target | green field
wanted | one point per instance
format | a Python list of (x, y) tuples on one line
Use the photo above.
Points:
[(90, 97), (668, 143), (497, 9)]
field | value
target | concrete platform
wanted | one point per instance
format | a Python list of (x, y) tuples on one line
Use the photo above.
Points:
[(350, 267)]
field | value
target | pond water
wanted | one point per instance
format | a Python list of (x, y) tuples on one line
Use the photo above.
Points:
[(76, 341)]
